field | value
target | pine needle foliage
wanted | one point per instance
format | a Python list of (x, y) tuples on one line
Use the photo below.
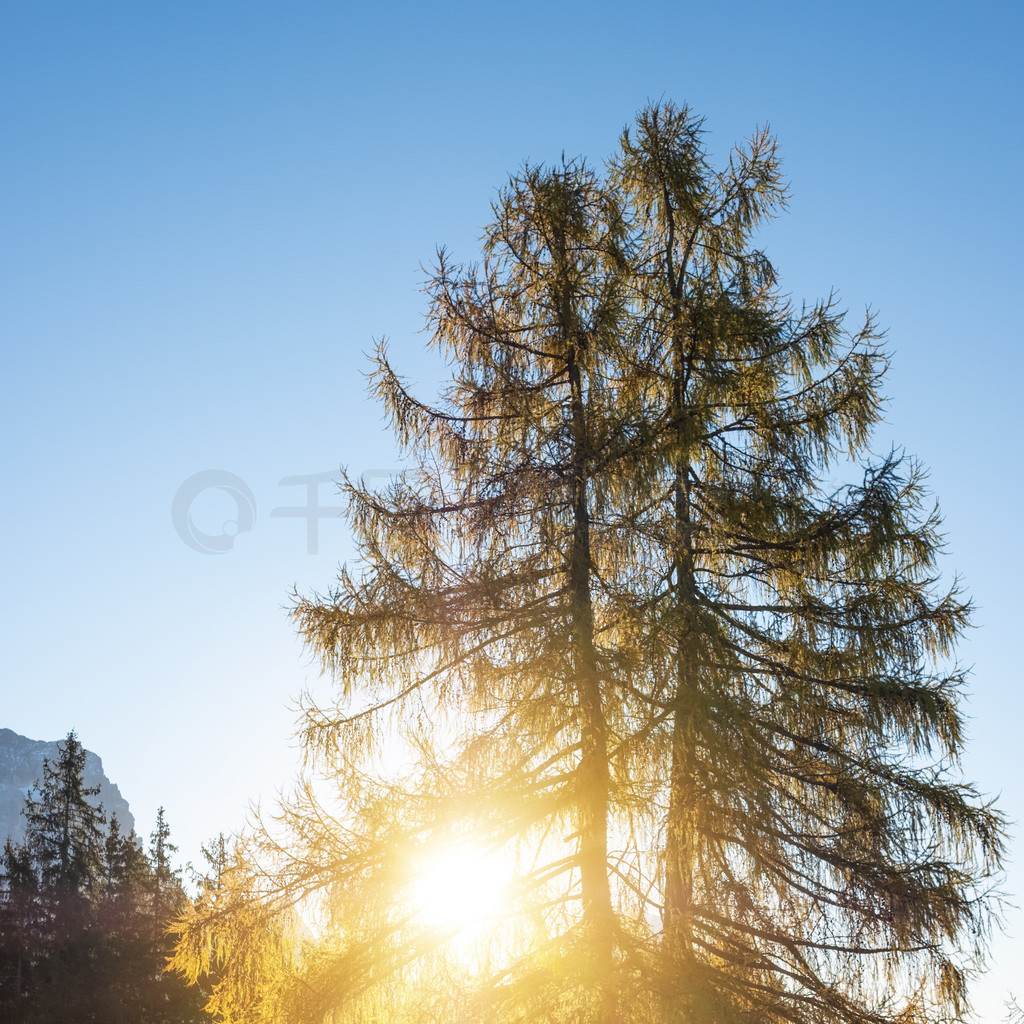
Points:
[(614, 627)]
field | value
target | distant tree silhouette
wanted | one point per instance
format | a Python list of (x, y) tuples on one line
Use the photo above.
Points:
[(83, 913)]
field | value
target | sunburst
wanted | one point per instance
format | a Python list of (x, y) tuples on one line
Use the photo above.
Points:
[(460, 887)]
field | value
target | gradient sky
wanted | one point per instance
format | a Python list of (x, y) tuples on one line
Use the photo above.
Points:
[(210, 211)]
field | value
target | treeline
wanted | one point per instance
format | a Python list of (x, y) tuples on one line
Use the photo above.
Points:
[(84, 912)]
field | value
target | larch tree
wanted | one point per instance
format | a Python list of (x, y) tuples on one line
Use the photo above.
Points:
[(614, 629), (818, 852), (479, 607)]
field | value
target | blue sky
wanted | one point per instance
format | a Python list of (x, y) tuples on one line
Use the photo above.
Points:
[(210, 211)]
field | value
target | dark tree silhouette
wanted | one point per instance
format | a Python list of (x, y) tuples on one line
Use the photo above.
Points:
[(84, 915)]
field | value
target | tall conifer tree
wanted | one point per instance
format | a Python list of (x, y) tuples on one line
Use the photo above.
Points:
[(633, 640), (482, 594), (817, 851)]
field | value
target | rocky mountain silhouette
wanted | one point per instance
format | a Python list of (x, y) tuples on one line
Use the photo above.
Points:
[(21, 767)]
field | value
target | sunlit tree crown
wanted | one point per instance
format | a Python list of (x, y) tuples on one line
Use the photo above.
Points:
[(623, 633)]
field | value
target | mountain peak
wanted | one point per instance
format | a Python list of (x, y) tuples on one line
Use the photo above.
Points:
[(21, 767)]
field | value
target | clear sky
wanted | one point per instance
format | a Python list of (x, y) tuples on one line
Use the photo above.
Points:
[(209, 211)]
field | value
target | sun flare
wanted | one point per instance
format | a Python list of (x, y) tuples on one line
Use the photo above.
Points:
[(460, 887)]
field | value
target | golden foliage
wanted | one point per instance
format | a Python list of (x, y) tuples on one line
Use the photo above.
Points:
[(615, 628)]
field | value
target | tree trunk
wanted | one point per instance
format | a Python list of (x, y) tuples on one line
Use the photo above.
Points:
[(681, 822), (593, 767)]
